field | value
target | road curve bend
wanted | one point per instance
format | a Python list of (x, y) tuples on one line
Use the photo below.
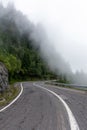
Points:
[(36, 109), (72, 120)]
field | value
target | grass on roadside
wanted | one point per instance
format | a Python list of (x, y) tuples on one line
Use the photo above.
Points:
[(9, 94)]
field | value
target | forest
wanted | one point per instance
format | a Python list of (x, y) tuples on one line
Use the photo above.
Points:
[(25, 52), (17, 49)]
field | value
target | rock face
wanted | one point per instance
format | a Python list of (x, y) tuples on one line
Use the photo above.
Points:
[(3, 77)]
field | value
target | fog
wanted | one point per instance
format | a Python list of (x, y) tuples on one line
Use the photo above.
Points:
[(59, 28), (66, 25)]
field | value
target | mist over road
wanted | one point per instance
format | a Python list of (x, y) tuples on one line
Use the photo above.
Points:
[(38, 109)]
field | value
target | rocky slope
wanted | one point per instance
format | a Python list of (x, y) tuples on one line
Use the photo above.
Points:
[(3, 77)]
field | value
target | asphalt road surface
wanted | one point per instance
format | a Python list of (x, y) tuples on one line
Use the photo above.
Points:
[(76, 100), (38, 109)]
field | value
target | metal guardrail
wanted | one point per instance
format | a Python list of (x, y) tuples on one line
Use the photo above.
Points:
[(68, 85)]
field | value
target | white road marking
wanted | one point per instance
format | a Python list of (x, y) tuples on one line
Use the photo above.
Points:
[(72, 120), (1, 110)]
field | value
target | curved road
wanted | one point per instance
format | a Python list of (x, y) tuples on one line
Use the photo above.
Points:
[(76, 100), (38, 109)]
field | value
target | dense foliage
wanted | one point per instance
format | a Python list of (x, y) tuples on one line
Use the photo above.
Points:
[(21, 58)]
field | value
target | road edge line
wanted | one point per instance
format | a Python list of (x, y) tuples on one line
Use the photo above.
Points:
[(72, 120), (1, 110)]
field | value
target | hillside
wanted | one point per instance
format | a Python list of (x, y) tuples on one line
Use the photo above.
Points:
[(17, 49)]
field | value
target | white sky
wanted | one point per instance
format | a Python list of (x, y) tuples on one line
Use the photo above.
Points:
[(66, 24)]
